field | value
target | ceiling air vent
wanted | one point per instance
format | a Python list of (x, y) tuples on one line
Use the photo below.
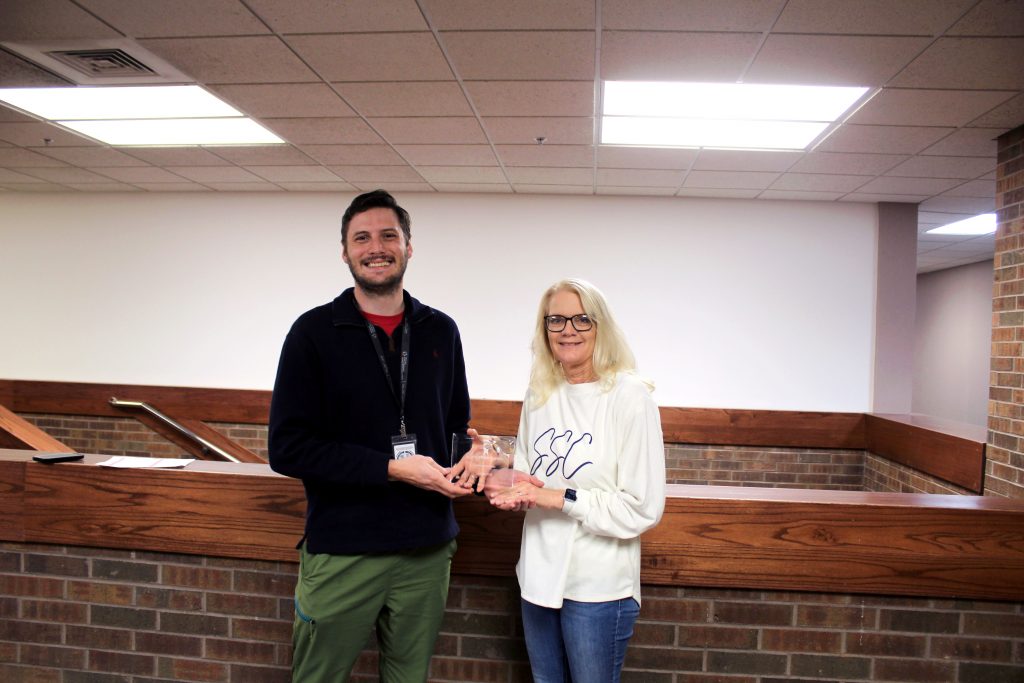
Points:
[(115, 61), (103, 63)]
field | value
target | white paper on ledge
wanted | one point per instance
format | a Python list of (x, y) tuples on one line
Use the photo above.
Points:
[(144, 463)]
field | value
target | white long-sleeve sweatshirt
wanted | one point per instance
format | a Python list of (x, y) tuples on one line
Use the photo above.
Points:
[(608, 446)]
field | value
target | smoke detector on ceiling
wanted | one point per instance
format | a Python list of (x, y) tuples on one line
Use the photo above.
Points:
[(99, 62)]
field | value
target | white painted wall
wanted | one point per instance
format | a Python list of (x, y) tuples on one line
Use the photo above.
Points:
[(953, 343), (727, 303)]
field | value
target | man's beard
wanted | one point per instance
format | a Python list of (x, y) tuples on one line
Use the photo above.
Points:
[(384, 288)]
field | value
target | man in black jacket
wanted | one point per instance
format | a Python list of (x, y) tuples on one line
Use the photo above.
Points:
[(369, 390)]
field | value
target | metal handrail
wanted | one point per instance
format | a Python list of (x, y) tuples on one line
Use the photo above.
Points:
[(207, 447)]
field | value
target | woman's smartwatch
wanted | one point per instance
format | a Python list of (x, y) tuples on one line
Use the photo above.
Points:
[(568, 499)]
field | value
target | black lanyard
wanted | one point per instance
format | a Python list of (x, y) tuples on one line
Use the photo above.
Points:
[(404, 377)]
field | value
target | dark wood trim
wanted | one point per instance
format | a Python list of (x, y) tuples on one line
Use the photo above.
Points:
[(948, 454), (759, 539), (16, 432), (797, 429)]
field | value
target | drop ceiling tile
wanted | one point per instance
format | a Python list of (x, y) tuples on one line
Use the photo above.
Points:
[(967, 142), (66, 175), (909, 186), (876, 197), (543, 15), (1006, 116), (243, 59), (677, 56), (944, 167), (898, 107), (13, 157), (634, 190), (524, 130), (967, 205), (632, 177), (974, 188), (50, 20), (172, 187), (378, 174), (262, 155), (394, 187), (730, 179), (533, 98), (448, 155), (313, 131), (718, 193), (294, 174), (550, 176), (802, 195), (331, 16), (209, 175), (528, 188), (882, 139), (461, 174), (870, 17), (690, 15), (140, 175), (546, 155), (33, 187), (991, 18), (334, 186), (832, 60), (609, 156), (819, 182), (521, 55), (102, 187), (36, 133), (91, 156), (178, 156), (430, 130), (149, 18), (848, 163), (284, 100), (745, 160), (378, 155), (969, 63), (485, 188), (412, 98), (12, 176), (242, 187), (374, 56)]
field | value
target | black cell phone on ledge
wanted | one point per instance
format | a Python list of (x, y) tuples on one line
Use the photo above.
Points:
[(57, 457)]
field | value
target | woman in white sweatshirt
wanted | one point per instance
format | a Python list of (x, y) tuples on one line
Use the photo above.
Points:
[(591, 433)]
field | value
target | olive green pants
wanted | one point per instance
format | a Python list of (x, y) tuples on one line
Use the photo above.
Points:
[(339, 599)]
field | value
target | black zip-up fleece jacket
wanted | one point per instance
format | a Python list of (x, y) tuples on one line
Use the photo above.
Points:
[(332, 417)]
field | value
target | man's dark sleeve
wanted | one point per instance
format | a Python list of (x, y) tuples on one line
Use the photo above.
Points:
[(299, 443), (459, 408)]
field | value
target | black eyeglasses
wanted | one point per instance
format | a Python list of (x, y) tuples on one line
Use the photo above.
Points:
[(581, 322)]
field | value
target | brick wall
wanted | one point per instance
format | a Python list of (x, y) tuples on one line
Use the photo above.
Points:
[(76, 615), (882, 475), (1004, 475)]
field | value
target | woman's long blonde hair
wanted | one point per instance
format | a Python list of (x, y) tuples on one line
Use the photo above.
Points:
[(611, 352)]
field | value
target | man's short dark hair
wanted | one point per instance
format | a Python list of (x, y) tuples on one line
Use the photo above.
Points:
[(377, 199)]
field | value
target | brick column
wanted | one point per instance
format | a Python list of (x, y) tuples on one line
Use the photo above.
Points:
[(1004, 471)]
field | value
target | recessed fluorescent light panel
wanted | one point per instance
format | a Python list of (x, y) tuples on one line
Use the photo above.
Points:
[(720, 115), (983, 224), (142, 115)]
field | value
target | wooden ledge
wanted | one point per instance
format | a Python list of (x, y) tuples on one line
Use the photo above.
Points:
[(778, 539)]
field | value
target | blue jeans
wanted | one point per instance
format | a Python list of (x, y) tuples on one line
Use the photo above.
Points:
[(583, 642)]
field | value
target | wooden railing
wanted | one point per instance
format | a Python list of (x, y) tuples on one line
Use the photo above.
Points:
[(823, 541), (951, 453)]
